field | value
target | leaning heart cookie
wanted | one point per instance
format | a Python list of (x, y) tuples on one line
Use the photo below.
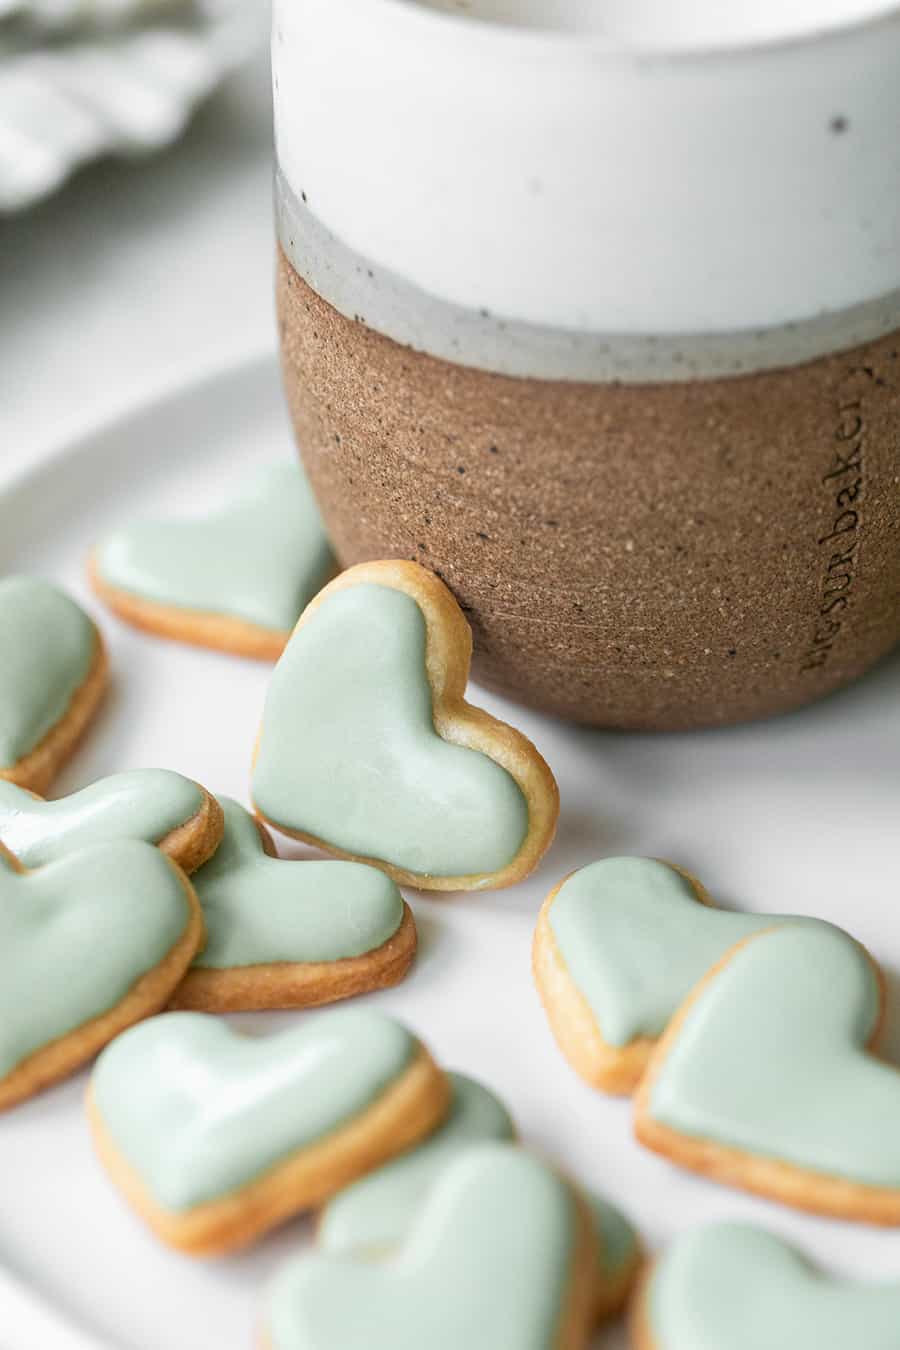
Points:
[(502, 1257), (618, 946), (155, 805), (237, 580), (88, 945), (53, 675), (369, 749), (733, 1287), (215, 1137), (765, 1079), (375, 1215), (290, 934)]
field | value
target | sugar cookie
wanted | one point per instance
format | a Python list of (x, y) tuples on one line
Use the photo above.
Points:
[(375, 1214), (733, 1287), (501, 1257), (215, 1137), (620, 1257), (765, 1080), (52, 678), (289, 934), (236, 580), (155, 805), (618, 946), (369, 749), (88, 945)]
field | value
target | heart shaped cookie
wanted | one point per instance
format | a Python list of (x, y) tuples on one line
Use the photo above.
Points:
[(620, 1257), (369, 749), (237, 580), (501, 1257), (155, 805), (375, 1215), (215, 1137), (618, 946), (765, 1079), (733, 1287), (88, 945), (52, 677), (289, 934)]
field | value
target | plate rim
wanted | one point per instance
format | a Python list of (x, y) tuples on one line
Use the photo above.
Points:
[(45, 455), (35, 1320)]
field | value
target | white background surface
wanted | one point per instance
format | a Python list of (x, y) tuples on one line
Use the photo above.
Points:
[(136, 273), (120, 287)]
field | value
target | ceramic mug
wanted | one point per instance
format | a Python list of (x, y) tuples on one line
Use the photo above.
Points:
[(594, 310)]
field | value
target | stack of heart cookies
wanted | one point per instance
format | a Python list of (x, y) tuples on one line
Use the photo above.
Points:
[(377, 759), (748, 1040), (165, 904), (139, 908)]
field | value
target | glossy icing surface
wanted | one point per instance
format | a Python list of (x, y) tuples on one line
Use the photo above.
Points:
[(48, 645), (730, 1285), (260, 558), (770, 1060), (76, 935), (486, 1266), (198, 1110), (260, 909), (348, 751), (636, 940), (376, 1212), (143, 804)]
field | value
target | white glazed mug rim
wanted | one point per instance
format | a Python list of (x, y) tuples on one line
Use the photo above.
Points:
[(635, 52), (509, 174)]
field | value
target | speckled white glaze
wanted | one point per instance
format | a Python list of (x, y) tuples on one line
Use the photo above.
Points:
[(628, 172)]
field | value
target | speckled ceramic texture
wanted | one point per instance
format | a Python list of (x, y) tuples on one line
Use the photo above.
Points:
[(640, 555)]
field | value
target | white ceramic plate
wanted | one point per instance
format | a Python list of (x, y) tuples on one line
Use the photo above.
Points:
[(800, 814)]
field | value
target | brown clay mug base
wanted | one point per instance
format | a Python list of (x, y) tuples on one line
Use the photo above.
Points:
[(647, 556)]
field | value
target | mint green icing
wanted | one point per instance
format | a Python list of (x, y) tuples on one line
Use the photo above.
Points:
[(76, 935), (349, 754), (49, 645), (260, 558), (733, 1287), (636, 940), (143, 804), (770, 1060), (198, 1110), (485, 1267), (376, 1212), (260, 910), (618, 1240)]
